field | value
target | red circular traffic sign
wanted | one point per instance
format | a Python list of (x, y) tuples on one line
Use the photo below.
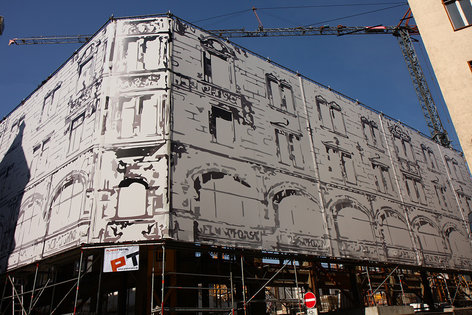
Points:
[(309, 299)]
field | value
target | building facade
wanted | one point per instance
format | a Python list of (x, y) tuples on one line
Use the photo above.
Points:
[(445, 29), (156, 131)]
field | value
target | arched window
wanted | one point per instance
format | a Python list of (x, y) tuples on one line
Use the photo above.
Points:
[(428, 235), (394, 229), (227, 198), (459, 243), (298, 213), (67, 202), (30, 225), (132, 199), (353, 224)]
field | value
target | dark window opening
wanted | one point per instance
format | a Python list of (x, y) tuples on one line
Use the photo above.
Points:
[(222, 125), (460, 12)]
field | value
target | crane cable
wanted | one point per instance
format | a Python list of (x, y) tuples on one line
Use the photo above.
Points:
[(395, 4)]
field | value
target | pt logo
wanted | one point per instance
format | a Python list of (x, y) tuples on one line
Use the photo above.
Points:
[(121, 259)]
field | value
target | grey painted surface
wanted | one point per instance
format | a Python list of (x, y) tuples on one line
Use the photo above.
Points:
[(155, 129)]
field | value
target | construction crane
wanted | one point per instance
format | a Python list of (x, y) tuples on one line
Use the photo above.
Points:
[(65, 39), (401, 32)]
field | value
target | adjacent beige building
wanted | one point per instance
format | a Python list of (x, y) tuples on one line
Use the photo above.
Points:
[(446, 29)]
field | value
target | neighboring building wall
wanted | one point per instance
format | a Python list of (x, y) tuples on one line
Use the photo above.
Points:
[(247, 173), (445, 28)]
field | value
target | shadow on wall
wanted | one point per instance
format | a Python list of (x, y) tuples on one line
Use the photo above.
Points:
[(14, 176)]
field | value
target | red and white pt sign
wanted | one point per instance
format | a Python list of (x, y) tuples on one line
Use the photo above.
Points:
[(124, 258), (309, 299)]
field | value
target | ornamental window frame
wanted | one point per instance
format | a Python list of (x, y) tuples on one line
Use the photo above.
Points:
[(280, 94)]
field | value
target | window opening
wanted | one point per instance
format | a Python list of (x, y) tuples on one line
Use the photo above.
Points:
[(460, 12), (76, 133), (222, 126)]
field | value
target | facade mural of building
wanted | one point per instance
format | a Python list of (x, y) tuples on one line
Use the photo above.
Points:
[(157, 130)]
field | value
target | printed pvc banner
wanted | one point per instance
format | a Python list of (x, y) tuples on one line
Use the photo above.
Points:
[(121, 259)]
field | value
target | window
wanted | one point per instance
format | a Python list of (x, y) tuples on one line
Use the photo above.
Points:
[(429, 157), (217, 65), (280, 94), (394, 229), (297, 212), (139, 116), (44, 156), (30, 220), (460, 12), (429, 236), (340, 163), (227, 198), (66, 205), (353, 224), (217, 70), (132, 200), (222, 126), (453, 168), (371, 132), (76, 133), (440, 190), (465, 202), (289, 148), (403, 148), (347, 166), (415, 189), (143, 53), (35, 159), (330, 115), (383, 181), (50, 103), (402, 143), (86, 74), (470, 64)]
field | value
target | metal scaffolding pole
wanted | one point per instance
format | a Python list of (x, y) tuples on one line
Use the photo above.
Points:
[(244, 286), (386, 278), (401, 288), (268, 281), (39, 294), (370, 286), (296, 283), (23, 311), (78, 281), (152, 278), (232, 289), (34, 287), (163, 274), (99, 289)]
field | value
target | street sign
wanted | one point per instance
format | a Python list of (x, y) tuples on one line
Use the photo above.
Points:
[(309, 299)]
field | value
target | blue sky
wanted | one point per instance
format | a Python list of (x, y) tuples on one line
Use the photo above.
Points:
[(369, 68)]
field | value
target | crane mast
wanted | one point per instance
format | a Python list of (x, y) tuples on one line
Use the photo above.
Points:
[(402, 33), (430, 111)]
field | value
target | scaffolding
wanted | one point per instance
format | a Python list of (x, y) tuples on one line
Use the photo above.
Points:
[(181, 278)]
